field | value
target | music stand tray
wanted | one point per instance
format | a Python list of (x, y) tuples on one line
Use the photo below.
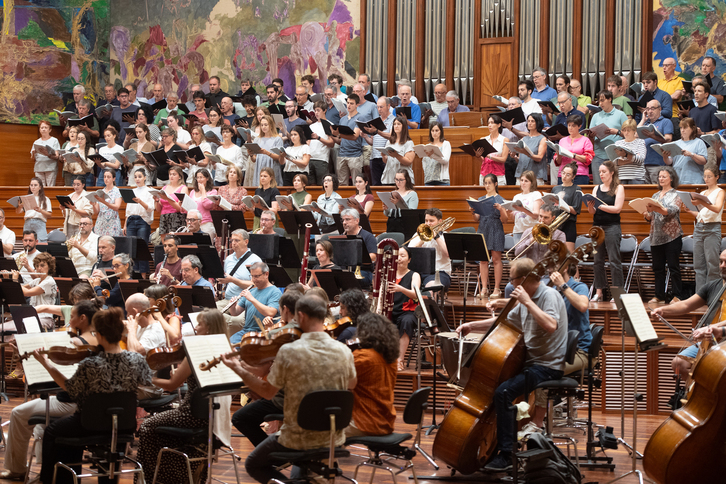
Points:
[(348, 251), (198, 239), (346, 279), (65, 267), (325, 279), (132, 286), (203, 296), (236, 219), (294, 222), (8, 264), (20, 312), (211, 265)]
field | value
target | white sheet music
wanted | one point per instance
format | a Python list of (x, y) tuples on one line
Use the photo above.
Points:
[(642, 325), (35, 372), (201, 349), (31, 324)]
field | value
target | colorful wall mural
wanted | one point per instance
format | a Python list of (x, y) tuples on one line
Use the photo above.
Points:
[(688, 32), (46, 47)]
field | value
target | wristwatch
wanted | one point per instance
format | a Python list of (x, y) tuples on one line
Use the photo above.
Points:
[(563, 288)]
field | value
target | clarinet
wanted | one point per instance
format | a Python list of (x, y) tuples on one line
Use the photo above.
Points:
[(157, 276), (98, 263)]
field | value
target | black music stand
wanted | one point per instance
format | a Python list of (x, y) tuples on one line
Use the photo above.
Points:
[(364, 222), (294, 222), (265, 246), (335, 281), (53, 248), (203, 296), (196, 239), (411, 218), (211, 265), (279, 276), (11, 295), (65, 284), (8, 264), (65, 267), (348, 252), (186, 306), (235, 218), (136, 247), (130, 287), (423, 261), (465, 245)]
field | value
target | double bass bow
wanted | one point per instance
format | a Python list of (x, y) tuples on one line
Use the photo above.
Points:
[(467, 436)]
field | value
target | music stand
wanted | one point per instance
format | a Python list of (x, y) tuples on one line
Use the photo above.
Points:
[(335, 281), (278, 276), (136, 247), (186, 306), (11, 295), (130, 287), (196, 239), (294, 222), (8, 264), (65, 267), (235, 218), (645, 342), (203, 296), (211, 265), (265, 246), (65, 284), (411, 218), (53, 248), (348, 252), (364, 222), (462, 246)]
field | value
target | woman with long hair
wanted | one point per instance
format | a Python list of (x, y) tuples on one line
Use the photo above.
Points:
[(404, 302), (327, 201), (267, 191), (296, 158), (233, 191), (436, 168), (141, 145), (42, 289), (494, 162), (201, 190), (301, 195), (70, 145), (694, 154), (527, 215), (324, 255), (490, 225), (46, 167), (267, 140), (404, 191), (231, 153), (191, 164), (85, 168), (537, 143), (168, 143), (108, 221), (171, 217), (402, 154), (578, 145), (666, 235), (81, 207), (707, 233), (572, 196), (37, 218), (173, 468), (363, 195), (110, 134), (140, 216), (167, 318), (607, 217)]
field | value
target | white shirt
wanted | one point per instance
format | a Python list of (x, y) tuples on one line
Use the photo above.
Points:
[(522, 221), (193, 169), (151, 336), (8, 237), (143, 194), (183, 136), (296, 152), (436, 107), (705, 215), (107, 152), (47, 298), (392, 164), (35, 214), (85, 264), (24, 272), (531, 106), (233, 154)]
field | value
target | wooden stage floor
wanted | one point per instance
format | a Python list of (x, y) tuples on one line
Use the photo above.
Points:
[(646, 426)]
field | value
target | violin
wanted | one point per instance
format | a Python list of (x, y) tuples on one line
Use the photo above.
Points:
[(159, 307), (336, 327), (160, 358), (64, 355), (258, 347), (467, 437)]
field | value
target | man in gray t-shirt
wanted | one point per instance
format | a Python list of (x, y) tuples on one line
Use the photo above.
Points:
[(542, 316)]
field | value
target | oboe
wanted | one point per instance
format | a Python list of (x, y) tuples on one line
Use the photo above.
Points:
[(98, 263), (158, 273)]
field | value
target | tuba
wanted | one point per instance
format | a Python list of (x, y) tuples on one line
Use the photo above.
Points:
[(427, 233), (385, 274), (541, 234)]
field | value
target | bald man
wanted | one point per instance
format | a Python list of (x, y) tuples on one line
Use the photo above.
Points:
[(439, 102), (672, 83)]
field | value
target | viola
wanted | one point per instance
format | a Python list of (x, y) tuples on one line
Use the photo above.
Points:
[(337, 326), (160, 358), (258, 347), (467, 437), (64, 355)]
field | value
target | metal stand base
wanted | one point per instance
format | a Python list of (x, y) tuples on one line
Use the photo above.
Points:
[(590, 461), (630, 448), (641, 477)]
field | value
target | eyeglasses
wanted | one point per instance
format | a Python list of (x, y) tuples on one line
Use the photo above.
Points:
[(82, 224), (117, 266), (267, 219), (186, 269)]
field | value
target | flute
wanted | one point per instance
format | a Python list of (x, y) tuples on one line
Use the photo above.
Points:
[(105, 278)]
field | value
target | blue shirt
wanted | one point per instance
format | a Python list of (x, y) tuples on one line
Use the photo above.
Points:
[(269, 296), (614, 119), (443, 116), (545, 94), (367, 111), (200, 282), (575, 319), (562, 118), (415, 113), (666, 103), (689, 172), (348, 148), (333, 115), (652, 158), (242, 272), (705, 118)]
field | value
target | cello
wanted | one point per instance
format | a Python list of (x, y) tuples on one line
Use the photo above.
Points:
[(467, 436), (688, 445)]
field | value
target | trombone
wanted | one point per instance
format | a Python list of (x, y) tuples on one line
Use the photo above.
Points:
[(427, 232), (541, 234)]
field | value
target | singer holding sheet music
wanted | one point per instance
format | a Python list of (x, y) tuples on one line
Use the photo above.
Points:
[(527, 216), (689, 164), (84, 168), (142, 145), (140, 216), (171, 218), (201, 189), (296, 159), (494, 162), (630, 166), (191, 164), (707, 233), (37, 218), (607, 217), (80, 207), (108, 221), (46, 168), (436, 168), (403, 155), (666, 235), (267, 191), (536, 142), (110, 134), (578, 145), (230, 152), (404, 191), (491, 227), (326, 201)]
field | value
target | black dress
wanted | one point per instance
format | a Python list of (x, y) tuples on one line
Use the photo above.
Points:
[(403, 306)]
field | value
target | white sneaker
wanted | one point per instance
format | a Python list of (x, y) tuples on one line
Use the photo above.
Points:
[(530, 428)]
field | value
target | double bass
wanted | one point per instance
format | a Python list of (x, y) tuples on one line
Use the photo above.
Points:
[(467, 436)]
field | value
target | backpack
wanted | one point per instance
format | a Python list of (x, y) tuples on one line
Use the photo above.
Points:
[(557, 469)]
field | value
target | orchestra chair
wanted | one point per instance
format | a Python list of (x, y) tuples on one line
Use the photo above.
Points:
[(397, 236), (158, 404), (321, 411), (39, 419), (628, 256), (111, 417), (586, 376), (390, 445), (635, 271), (196, 439), (562, 388)]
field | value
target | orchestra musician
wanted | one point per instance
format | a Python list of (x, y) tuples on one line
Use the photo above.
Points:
[(194, 223), (324, 254), (707, 295), (209, 321), (353, 305), (106, 249), (314, 362), (112, 370), (404, 302), (80, 292), (168, 272), (267, 223), (351, 226), (236, 274), (19, 432), (542, 316), (169, 321), (123, 265), (30, 239), (432, 217), (191, 271), (259, 302), (42, 289), (249, 418), (83, 251), (375, 367)]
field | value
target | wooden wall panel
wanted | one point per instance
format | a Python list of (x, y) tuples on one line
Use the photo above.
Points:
[(17, 141), (498, 76)]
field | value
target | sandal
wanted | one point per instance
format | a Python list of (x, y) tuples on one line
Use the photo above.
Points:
[(496, 294), (401, 366)]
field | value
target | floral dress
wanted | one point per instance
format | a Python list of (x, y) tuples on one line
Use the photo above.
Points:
[(108, 221)]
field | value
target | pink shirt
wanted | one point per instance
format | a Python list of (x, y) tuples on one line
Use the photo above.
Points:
[(166, 207), (581, 146), (204, 205)]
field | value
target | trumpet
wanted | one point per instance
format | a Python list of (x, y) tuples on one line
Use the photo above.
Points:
[(541, 234), (427, 233)]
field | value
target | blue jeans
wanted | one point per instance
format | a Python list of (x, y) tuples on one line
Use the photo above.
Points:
[(137, 227), (580, 180), (505, 394)]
